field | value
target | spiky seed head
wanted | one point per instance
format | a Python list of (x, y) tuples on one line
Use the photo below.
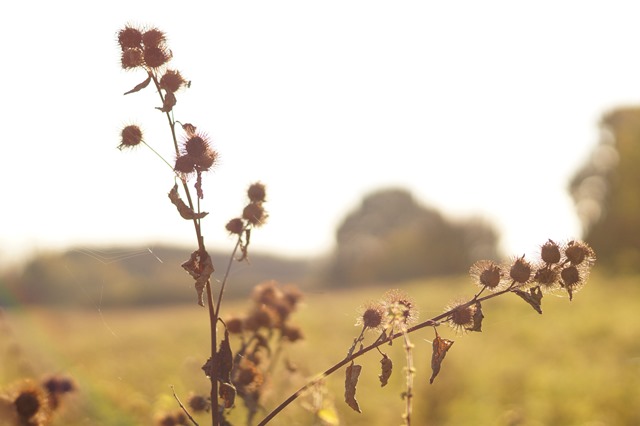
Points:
[(172, 81), (372, 316), (266, 293), (520, 270), (550, 252), (257, 192), (292, 295), (130, 136), (155, 57), (570, 276), (184, 165), (235, 226), (547, 277), (578, 252), (462, 316), (486, 274), (206, 161), (247, 377), (132, 57), (196, 145), (400, 307), (198, 403), (129, 37), (31, 404), (254, 214), (153, 37), (234, 325)]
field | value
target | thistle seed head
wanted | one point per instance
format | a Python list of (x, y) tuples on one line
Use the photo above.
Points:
[(550, 252), (487, 274), (254, 214), (130, 136), (257, 192), (153, 37), (129, 37), (578, 252), (235, 226), (132, 57), (172, 81), (155, 57), (520, 270)]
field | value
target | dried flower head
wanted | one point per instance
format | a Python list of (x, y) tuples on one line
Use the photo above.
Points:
[(196, 145), (172, 81), (155, 57), (574, 278), (254, 214), (487, 274), (235, 226), (400, 308), (131, 58), (462, 315), (131, 136), (153, 37), (30, 403), (578, 252), (547, 277), (372, 316), (257, 192), (520, 271), (550, 252), (198, 403), (129, 37), (292, 333), (184, 165), (247, 377), (234, 325)]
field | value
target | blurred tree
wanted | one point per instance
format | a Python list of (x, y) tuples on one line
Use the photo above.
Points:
[(390, 237), (606, 190)]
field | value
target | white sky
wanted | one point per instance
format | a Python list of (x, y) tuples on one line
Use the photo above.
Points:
[(475, 107)]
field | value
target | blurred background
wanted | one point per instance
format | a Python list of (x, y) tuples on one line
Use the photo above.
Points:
[(398, 143)]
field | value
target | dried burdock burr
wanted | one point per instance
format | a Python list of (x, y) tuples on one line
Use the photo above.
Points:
[(130, 136)]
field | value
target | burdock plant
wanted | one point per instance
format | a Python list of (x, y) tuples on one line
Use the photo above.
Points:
[(266, 329)]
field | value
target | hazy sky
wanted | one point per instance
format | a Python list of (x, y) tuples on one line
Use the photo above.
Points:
[(475, 107)]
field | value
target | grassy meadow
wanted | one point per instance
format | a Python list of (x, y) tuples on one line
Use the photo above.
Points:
[(577, 364)]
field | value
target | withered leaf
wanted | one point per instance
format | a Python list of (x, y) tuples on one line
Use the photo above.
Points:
[(224, 360), (440, 348), (228, 394), (533, 297), (387, 366), (140, 86), (200, 267), (185, 211), (477, 318), (350, 382), (169, 102)]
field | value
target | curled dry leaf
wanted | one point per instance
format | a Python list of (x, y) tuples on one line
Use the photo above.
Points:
[(200, 267), (228, 394), (224, 360), (477, 318), (533, 297), (185, 211), (169, 102), (140, 86), (387, 366), (350, 382), (440, 348)]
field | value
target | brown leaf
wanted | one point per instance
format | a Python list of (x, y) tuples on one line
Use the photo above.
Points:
[(140, 86), (477, 318), (228, 394), (185, 211), (533, 297), (169, 102), (440, 348), (200, 267), (350, 382), (224, 360), (387, 366)]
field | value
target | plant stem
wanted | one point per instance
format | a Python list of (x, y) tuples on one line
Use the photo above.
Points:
[(379, 342), (408, 346)]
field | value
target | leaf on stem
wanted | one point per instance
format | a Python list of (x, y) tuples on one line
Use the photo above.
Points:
[(185, 211), (228, 394), (200, 267), (169, 102), (477, 318), (533, 297), (440, 348), (387, 366), (350, 382), (140, 86)]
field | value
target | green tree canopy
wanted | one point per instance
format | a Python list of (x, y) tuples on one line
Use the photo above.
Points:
[(391, 237), (606, 190)]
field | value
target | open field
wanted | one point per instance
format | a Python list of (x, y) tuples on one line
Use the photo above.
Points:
[(578, 364)]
